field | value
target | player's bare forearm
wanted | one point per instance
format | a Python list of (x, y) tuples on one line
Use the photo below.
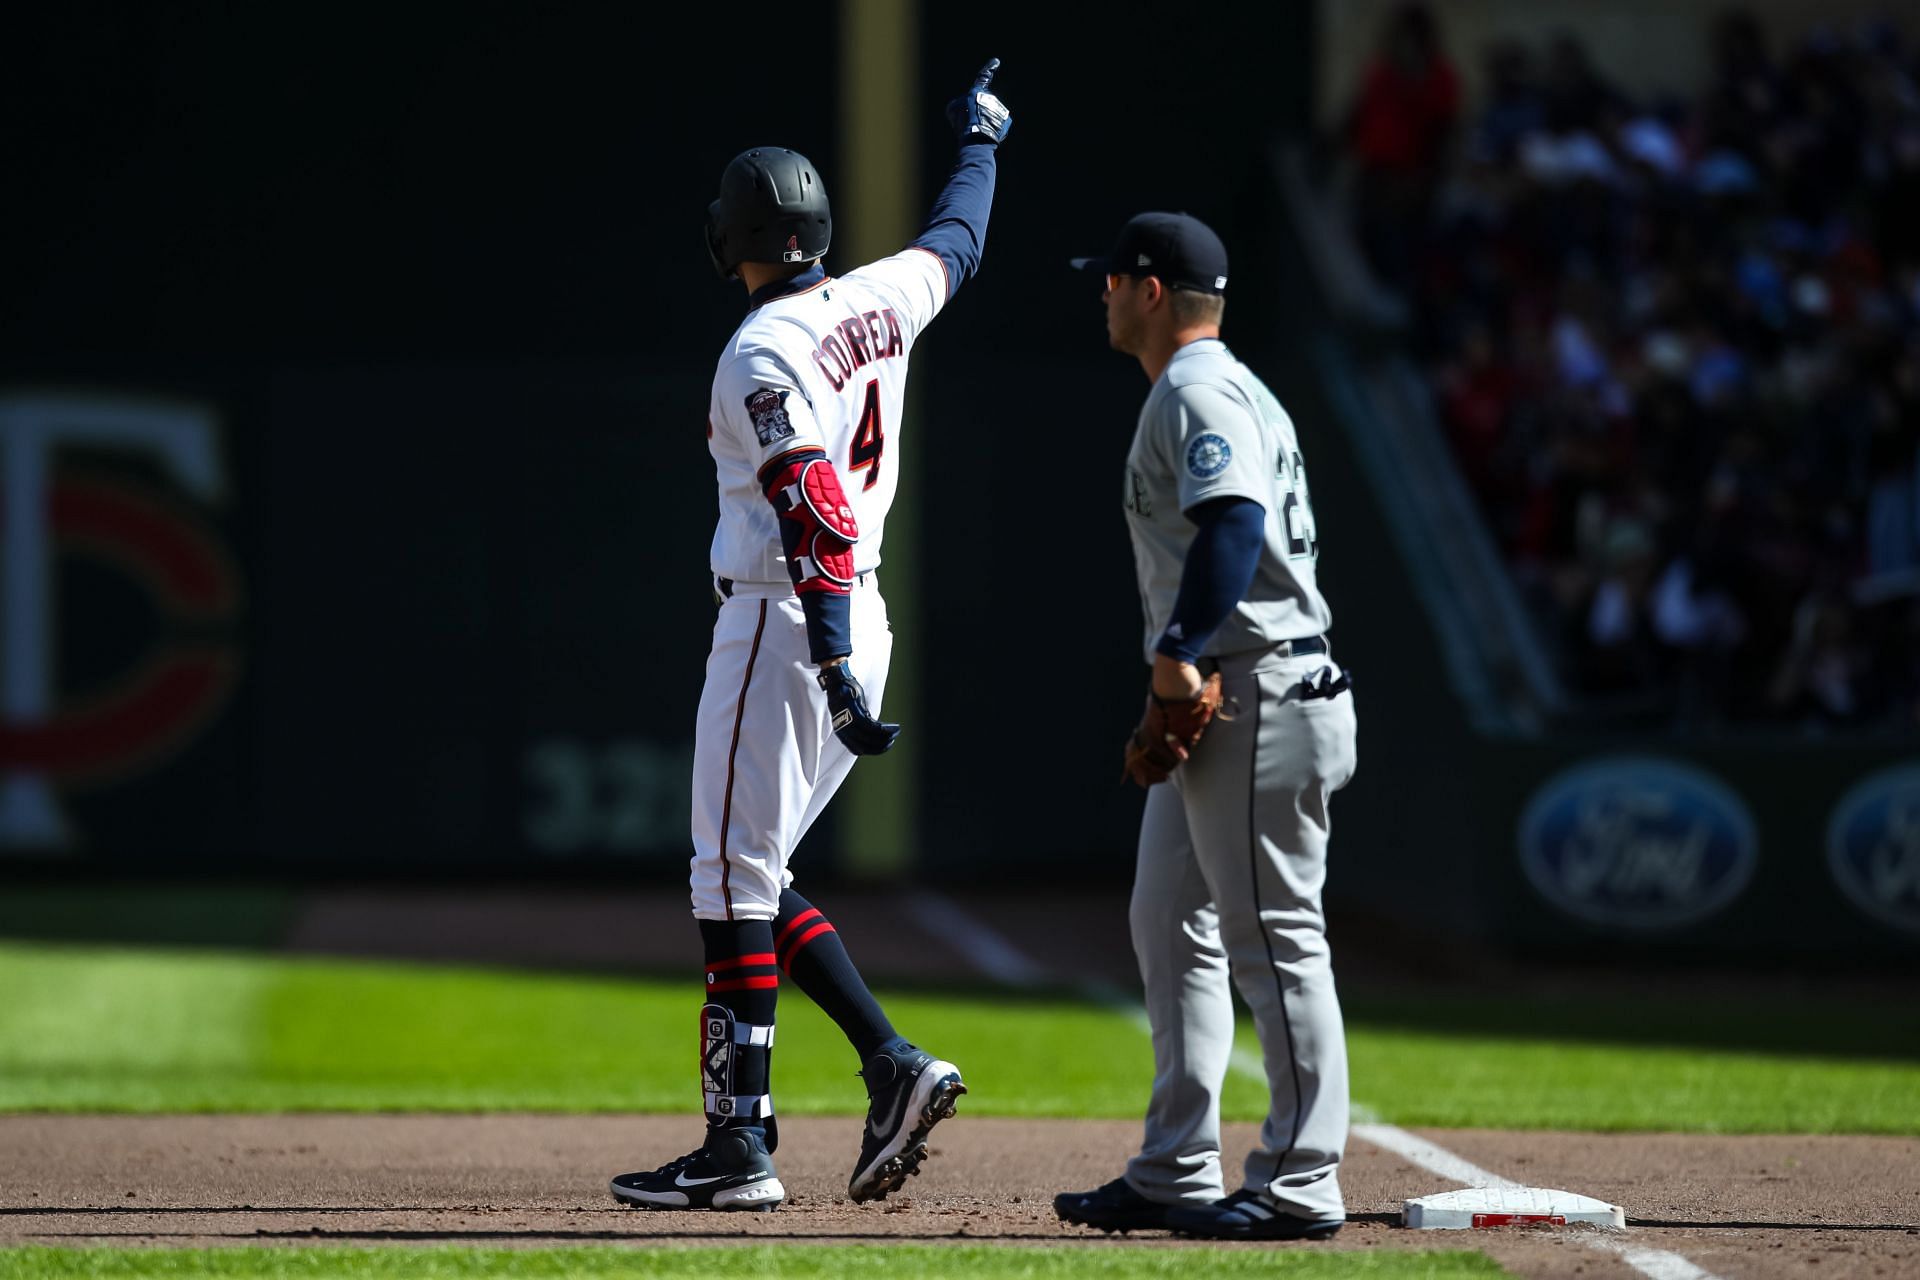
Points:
[(1174, 679)]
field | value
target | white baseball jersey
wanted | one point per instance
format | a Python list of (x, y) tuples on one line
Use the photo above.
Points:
[(1211, 429), (823, 368)]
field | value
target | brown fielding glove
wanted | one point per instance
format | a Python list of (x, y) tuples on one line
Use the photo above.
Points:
[(1168, 731)]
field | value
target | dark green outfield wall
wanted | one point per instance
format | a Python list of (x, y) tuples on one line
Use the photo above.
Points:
[(353, 378), (382, 549)]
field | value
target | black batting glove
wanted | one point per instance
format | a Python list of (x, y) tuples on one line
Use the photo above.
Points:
[(978, 116), (853, 724)]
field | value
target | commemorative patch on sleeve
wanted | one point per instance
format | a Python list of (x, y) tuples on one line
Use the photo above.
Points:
[(1208, 455), (768, 409)]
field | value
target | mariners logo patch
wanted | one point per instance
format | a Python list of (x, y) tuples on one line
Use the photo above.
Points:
[(1208, 456), (768, 409)]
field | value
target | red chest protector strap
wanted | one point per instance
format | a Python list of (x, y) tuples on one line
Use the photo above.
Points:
[(817, 526)]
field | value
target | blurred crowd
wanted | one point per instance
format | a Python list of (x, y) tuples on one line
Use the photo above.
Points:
[(1676, 344)]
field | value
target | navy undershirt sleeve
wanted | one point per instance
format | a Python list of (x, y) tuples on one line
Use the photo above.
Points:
[(956, 230), (1219, 568), (829, 625)]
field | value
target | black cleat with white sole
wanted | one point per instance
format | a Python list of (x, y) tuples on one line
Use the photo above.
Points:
[(732, 1171), (908, 1092)]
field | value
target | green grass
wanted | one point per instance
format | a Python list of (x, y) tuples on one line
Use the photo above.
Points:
[(85, 1029), (136, 914), (880, 1262), (92, 1029), (1484, 1082)]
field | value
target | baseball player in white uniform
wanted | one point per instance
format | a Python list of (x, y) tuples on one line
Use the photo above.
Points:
[(805, 430), (1233, 843)]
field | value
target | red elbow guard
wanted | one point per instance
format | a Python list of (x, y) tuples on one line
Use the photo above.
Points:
[(817, 525)]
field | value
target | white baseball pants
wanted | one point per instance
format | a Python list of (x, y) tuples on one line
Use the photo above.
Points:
[(765, 761)]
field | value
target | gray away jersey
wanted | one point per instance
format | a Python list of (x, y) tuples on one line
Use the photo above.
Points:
[(1210, 429)]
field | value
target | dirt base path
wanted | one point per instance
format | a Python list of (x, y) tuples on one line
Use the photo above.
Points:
[(1746, 1207)]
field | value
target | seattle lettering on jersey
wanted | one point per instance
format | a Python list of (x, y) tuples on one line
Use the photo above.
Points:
[(856, 342)]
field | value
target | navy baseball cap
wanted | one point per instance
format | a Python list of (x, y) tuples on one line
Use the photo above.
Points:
[(1177, 247)]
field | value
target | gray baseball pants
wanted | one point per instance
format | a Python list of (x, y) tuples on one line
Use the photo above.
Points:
[(1233, 854)]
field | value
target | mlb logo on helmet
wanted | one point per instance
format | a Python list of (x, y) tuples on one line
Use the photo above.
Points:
[(792, 251)]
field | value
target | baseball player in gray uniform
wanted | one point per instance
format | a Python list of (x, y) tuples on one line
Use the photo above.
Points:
[(1249, 730)]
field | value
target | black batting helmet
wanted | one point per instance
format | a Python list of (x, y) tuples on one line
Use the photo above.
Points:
[(772, 208)]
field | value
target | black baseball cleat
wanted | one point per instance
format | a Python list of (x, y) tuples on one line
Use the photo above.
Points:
[(908, 1092), (1248, 1215), (1114, 1207), (732, 1171)]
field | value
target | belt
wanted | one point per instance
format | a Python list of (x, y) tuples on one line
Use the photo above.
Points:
[(1324, 685), (725, 585), (1230, 664)]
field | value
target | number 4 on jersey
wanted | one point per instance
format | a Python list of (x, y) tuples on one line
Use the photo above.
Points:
[(869, 439)]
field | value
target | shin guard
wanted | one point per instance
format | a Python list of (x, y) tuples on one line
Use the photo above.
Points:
[(736, 1026)]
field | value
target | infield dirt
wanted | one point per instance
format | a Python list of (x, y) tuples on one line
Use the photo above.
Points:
[(1736, 1206)]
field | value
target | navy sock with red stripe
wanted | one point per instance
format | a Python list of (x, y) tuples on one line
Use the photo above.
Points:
[(742, 981), (811, 953)]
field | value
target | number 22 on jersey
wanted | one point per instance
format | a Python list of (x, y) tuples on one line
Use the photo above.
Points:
[(869, 438), (1296, 510)]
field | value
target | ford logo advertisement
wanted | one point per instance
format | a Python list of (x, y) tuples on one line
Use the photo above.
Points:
[(1637, 843), (1873, 846)]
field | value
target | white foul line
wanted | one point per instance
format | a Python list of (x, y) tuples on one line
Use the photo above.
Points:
[(989, 952), (1416, 1150), (1655, 1264), (1000, 959)]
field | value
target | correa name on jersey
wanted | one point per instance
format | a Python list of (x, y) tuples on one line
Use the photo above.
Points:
[(857, 342)]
